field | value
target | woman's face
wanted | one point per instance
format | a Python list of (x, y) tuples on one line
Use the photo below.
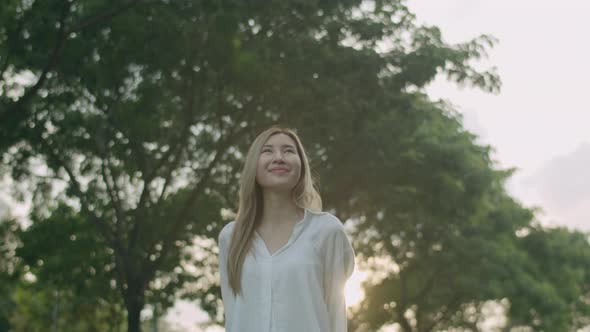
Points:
[(279, 166)]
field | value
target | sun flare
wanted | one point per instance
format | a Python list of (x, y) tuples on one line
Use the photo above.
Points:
[(353, 293)]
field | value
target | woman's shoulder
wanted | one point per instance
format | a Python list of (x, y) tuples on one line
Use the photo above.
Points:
[(226, 231), (327, 222)]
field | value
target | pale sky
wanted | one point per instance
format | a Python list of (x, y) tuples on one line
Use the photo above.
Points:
[(540, 121)]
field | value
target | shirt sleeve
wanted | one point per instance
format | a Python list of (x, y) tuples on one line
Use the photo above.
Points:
[(339, 265), (227, 295)]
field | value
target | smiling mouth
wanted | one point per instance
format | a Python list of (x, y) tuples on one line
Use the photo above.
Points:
[(280, 170)]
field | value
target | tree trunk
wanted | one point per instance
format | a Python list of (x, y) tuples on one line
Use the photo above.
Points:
[(134, 302), (155, 319), (55, 313), (406, 327), (133, 323)]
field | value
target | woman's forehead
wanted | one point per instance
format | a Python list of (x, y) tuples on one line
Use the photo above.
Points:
[(280, 140)]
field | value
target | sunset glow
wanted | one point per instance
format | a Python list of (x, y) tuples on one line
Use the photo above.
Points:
[(353, 292)]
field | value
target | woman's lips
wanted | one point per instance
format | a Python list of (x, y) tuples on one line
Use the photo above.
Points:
[(279, 170)]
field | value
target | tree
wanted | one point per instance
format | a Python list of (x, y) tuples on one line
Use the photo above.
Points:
[(141, 112), (552, 290), (432, 206), (40, 308), (73, 282)]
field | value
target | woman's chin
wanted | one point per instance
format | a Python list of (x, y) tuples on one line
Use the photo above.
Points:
[(279, 187)]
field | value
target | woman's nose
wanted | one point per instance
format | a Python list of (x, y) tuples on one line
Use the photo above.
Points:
[(278, 156)]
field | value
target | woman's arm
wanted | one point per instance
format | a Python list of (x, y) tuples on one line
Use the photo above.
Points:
[(227, 295), (339, 265)]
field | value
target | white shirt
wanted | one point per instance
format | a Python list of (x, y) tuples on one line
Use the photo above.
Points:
[(299, 288)]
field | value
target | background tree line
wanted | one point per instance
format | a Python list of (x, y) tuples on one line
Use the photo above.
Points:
[(126, 123)]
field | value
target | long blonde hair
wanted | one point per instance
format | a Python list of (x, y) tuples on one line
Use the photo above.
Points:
[(250, 207)]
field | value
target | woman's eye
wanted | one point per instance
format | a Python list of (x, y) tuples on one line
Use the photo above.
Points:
[(269, 150)]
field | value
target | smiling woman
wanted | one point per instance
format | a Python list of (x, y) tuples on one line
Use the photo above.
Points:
[(283, 262), (279, 166)]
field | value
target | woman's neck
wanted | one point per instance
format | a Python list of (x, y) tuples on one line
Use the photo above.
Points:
[(279, 209)]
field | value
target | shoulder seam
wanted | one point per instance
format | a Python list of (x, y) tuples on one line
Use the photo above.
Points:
[(226, 229)]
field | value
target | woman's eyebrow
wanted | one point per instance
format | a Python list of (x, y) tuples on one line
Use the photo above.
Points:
[(270, 145)]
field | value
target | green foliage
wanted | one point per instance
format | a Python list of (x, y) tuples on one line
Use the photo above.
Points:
[(69, 279), (41, 308), (63, 252), (9, 271), (554, 288)]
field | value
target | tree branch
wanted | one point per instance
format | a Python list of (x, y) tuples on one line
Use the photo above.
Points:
[(17, 111), (104, 15), (428, 286), (102, 227), (180, 220), (176, 148), (4, 67), (121, 275), (133, 146), (113, 194), (145, 191)]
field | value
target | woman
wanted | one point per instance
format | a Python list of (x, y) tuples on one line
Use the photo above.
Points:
[(283, 262)]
